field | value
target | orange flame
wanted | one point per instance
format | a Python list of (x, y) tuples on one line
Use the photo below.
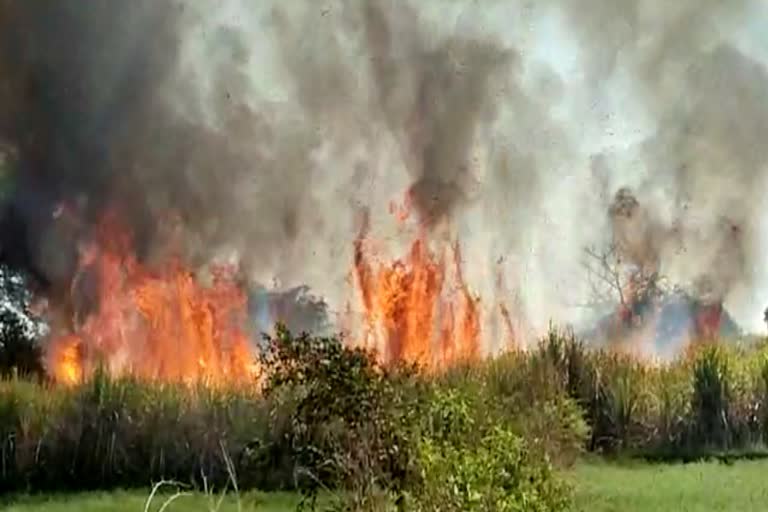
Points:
[(415, 309), (158, 323), (66, 354)]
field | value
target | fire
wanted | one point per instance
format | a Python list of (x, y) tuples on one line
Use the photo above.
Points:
[(68, 367), (153, 323), (418, 309), (707, 322)]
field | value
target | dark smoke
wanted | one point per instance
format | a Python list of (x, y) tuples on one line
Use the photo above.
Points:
[(79, 86), (90, 102), (267, 128), (431, 93), (101, 107), (448, 89)]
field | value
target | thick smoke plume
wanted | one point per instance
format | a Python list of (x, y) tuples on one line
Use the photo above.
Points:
[(270, 128), (112, 105), (433, 100), (77, 86)]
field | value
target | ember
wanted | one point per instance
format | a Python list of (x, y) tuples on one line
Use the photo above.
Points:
[(153, 323)]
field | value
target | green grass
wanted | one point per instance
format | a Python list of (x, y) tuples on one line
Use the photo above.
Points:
[(700, 487), (599, 487), (134, 501)]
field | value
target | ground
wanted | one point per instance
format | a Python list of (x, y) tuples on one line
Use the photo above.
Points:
[(600, 487), (701, 487), (135, 501)]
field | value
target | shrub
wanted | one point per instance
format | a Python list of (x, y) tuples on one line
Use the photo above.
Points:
[(527, 394), (9, 419), (746, 399), (476, 453), (764, 397), (555, 429), (622, 405), (556, 406), (353, 423), (498, 473)]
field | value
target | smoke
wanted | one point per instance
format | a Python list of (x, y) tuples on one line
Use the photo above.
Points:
[(700, 167), (433, 100), (73, 90), (270, 128)]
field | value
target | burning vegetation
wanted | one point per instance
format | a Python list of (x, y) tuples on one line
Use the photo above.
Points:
[(650, 314), (158, 321), (125, 292), (155, 322), (596, 164), (418, 308), (96, 114)]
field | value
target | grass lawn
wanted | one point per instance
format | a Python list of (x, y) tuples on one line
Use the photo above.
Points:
[(124, 501), (700, 487)]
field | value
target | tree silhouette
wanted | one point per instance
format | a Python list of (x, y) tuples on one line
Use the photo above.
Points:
[(20, 330)]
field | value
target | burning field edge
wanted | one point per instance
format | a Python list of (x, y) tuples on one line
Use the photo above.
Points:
[(329, 417)]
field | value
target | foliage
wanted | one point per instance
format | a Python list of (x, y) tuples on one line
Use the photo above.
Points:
[(327, 417), (711, 398), (353, 423), (19, 328), (471, 458), (109, 433), (388, 435), (498, 473)]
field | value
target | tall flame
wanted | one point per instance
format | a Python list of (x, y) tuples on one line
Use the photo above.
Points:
[(153, 323), (418, 308)]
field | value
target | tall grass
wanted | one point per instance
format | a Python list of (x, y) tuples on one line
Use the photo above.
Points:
[(711, 399), (109, 433)]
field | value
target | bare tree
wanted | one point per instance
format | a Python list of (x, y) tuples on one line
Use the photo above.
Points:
[(615, 282), (603, 270)]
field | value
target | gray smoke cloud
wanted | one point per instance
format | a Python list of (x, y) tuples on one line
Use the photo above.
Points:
[(271, 127), (447, 97), (694, 70)]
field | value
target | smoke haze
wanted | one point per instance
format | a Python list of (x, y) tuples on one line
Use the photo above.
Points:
[(272, 128)]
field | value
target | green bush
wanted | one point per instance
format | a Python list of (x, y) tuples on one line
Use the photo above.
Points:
[(484, 449), (763, 395), (526, 393), (473, 440), (498, 473), (556, 429), (746, 399), (353, 424), (708, 400)]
